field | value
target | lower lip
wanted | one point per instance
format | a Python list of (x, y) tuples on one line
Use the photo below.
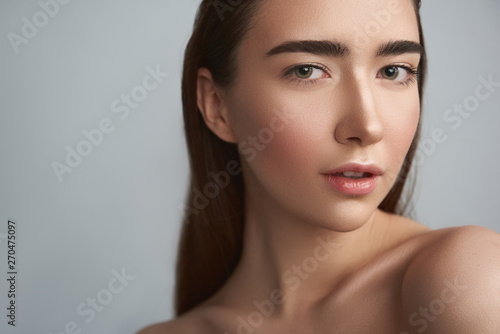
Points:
[(345, 185)]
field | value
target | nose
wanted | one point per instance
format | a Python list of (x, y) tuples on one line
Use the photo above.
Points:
[(359, 122)]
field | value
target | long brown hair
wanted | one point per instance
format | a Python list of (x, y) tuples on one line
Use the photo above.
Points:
[(212, 230)]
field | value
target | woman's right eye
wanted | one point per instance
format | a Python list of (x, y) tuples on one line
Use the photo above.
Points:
[(306, 73)]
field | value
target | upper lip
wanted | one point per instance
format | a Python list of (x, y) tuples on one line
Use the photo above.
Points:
[(358, 168)]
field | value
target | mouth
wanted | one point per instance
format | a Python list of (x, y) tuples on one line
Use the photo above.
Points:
[(354, 179), (356, 171), (353, 175)]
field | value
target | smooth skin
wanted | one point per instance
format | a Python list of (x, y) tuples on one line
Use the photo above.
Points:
[(381, 273)]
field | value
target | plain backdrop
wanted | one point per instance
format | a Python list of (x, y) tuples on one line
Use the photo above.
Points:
[(117, 213)]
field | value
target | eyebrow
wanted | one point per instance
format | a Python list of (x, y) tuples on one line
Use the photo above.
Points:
[(394, 48), (340, 50)]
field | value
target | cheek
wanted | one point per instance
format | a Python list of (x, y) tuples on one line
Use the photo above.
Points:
[(407, 124), (278, 137), (271, 124), (400, 129), (286, 161)]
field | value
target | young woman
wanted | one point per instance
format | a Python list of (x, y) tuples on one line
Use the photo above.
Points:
[(302, 119)]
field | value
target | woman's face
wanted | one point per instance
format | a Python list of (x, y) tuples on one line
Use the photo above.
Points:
[(308, 108)]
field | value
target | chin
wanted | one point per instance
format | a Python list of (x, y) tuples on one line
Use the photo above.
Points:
[(349, 216)]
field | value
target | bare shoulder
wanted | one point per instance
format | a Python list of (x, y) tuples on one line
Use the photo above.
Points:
[(453, 284)]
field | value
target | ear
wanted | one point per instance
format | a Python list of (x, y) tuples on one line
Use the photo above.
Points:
[(210, 100)]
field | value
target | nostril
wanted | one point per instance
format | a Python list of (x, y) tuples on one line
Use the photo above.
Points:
[(354, 139)]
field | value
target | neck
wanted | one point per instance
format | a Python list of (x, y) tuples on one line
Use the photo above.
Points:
[(295, 264)]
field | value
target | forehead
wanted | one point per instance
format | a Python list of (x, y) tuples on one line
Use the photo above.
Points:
[(358, 24)]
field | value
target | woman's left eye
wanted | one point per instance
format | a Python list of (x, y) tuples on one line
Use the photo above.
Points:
[(400, 74)]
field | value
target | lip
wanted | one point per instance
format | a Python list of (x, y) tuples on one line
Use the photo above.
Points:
[(361, 186)]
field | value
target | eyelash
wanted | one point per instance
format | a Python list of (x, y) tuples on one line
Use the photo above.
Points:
[(412, 71)]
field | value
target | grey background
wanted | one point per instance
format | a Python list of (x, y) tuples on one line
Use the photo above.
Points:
[(119, 209)]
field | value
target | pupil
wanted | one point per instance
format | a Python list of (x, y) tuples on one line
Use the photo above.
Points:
[(391, 72)]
